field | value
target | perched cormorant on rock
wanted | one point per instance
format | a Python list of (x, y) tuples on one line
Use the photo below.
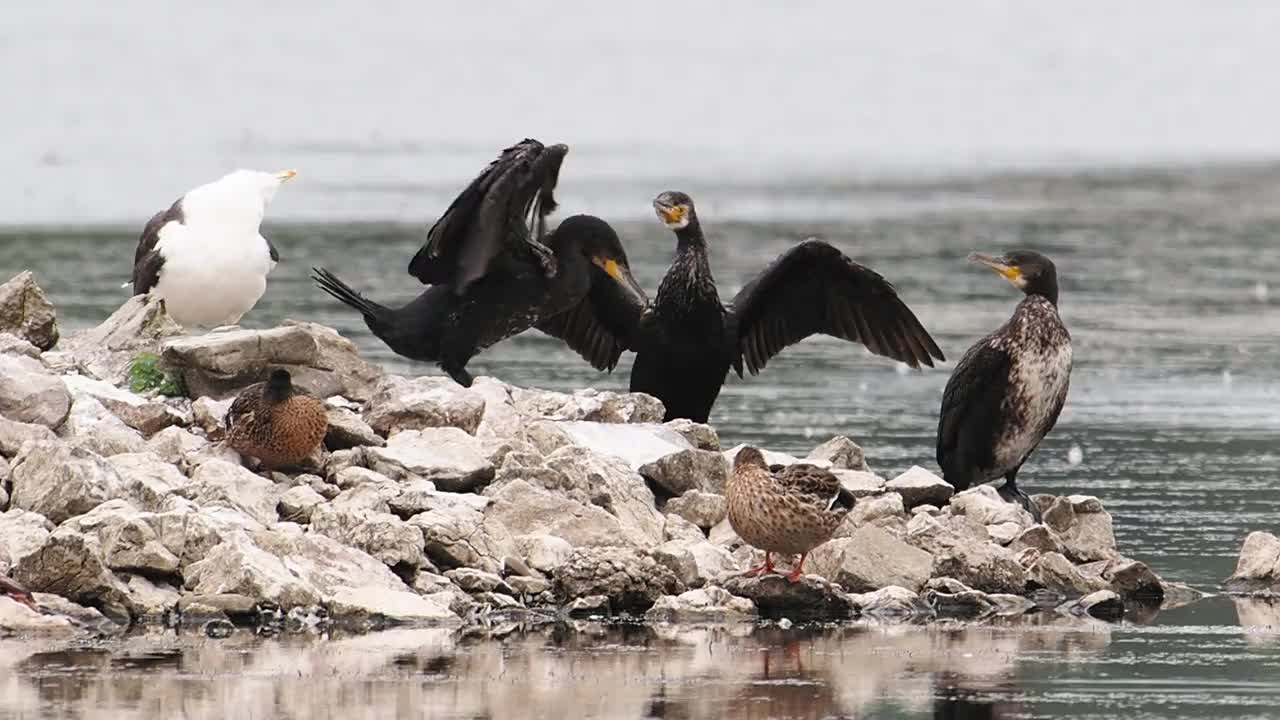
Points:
[(494, 273), (204, 255), (1007, 391), (276, 423), (790, 511), (686, 341)]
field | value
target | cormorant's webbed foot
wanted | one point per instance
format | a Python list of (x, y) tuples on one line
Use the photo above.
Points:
[(458, 373), (1011, 493)]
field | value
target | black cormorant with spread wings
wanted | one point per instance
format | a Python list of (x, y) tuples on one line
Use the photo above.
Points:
[(1007, 391), (686, 340), (492, 268)]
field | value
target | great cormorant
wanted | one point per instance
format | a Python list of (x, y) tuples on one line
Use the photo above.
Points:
[(686, 341), (1007, 391), (492, 270)]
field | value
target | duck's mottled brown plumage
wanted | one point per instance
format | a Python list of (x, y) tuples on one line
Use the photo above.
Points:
[(790, 510), (275, 423)]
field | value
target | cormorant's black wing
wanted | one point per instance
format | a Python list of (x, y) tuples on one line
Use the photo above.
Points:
[(602, 325), (147, 260), (971, 415), (502, 210), (814, 288)]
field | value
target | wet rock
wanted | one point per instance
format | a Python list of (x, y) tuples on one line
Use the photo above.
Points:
[(871, 559), (840, 452), (139, 325), (891, 601), (21, 533), (1103, 604), (28, 394), (457, 534), (135, 546), (708, 604), (18, 618), (860, 484), (985, 567), (1004, 533), (687, 470), (13, 434), (702, 437), (545, 553), (810, 598), (204, 606), (1133, 580), (696, 563), (298, 503), (380, 534), (60, 482), (703, 509), (395, 606), (1053, 572), (528, 585), (591, 605), (479, 581), (399, 403), (942, 533), (985, 506), (1038, 537), (146, 416), (1086, 536), (26, 311), (918, 486), (630, 578), (1258, 567), (348, 430), (69, 564), (949, 597), (148, 481), (589, 405), (447, 456), (148, 600), (220, 483), (525, 509), (870, 510)]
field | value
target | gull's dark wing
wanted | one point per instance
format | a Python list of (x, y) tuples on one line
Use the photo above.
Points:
[(501, 211), (814, 288), (147, 260)]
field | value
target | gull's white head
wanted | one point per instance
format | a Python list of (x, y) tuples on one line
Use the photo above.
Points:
[(238, 198)]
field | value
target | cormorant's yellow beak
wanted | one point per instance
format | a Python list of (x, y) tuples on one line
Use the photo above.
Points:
[(285, 174), (621, 274), (670, 213), (1012, 273)]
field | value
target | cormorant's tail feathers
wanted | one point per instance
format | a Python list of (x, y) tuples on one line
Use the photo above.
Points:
[(330, 283)]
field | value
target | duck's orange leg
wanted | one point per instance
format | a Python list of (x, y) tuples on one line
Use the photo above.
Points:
[(797, 571), (766, 567)]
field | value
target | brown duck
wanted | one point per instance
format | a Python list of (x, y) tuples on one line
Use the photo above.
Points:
[(276, 423), (789, 510)]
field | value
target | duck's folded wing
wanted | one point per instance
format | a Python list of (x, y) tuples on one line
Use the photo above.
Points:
[(501, 210), (814, 288)]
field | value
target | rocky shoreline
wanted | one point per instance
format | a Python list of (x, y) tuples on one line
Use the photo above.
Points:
[(435, 504)]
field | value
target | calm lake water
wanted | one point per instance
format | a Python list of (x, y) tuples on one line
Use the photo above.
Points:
[(908, 135)]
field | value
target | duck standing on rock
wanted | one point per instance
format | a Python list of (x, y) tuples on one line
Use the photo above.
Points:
[(791, 510), (205, 255), (494, 272), (1007, 391), (686, 341), (276, 423)]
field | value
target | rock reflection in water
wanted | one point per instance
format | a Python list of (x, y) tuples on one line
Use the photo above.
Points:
[(579, 670), (1259, 619)]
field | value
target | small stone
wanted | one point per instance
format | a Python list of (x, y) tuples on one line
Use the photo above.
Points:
[(677, 528), (809, 598), (529, 585), (703, 509), (1053, 572), (545, 553), (869, 510), (630, 578), (986, 567), (478, 581), (1258, 566), (297, 503), (926, 510), (29, 394), (679, 472), (891, 601), (918, 486), (1103, 604), (447, 456), (842, 453), (702, 437), (1038, 537), (1004, 533), (13, 434), (348, 430), (399, 403), (860, 484), (985, 506), (589, 605), (701, 605), (210, 414), (175, 445), (26, 312), (1133, 580)]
